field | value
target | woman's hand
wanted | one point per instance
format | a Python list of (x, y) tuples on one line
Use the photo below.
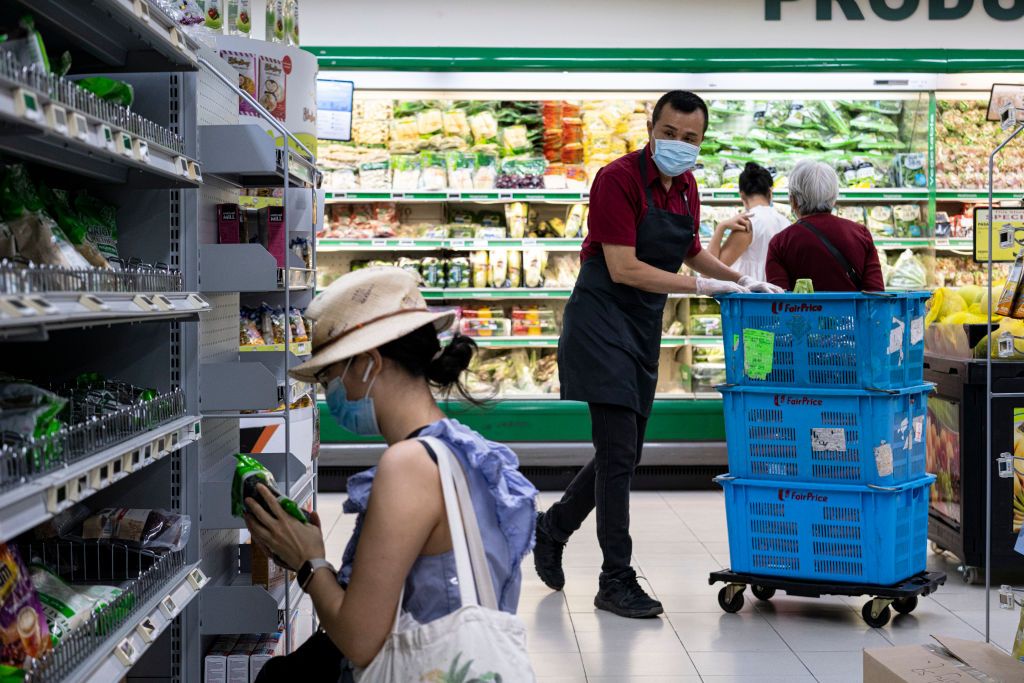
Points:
[(282, 534), (738, 223)]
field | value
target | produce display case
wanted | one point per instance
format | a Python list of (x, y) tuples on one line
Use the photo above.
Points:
[(459, 203)]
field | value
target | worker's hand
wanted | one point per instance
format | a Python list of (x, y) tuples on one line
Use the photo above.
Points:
[(757, 286), (738, 223), (709, 287)]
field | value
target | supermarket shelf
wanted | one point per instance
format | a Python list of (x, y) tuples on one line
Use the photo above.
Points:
[(975, 195), (545, 342), (274, 360), (848, 195), (297, 348), (474, 196), (215, 499), (517, 293), (33, 315), (245, 268), (90, 152), (39, 499), (427, 244), (245, 155), (121, 650), (241, 607)]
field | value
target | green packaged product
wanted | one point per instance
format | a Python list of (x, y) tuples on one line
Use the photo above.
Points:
[(67, 607), (109, 89), (803, 286), (248, 473), (459, 273)]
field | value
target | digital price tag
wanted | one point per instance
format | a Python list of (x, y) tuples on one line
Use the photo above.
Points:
[(194, 172), (147, 630), (132, 460), (378, 243), (458, 244), (58, 497), (78, 126), (144, 302), (100, 476), (197, 579), (504, 195), (80, 488), (107, 138), (163, 303), (141, 150), (141, 8), (92, 303), (406, 243), (126, 652), (26, 105), (196, 301), (41, 305), (16, 308), (181, 163), (169, 607), (57, 118), (125, 144)]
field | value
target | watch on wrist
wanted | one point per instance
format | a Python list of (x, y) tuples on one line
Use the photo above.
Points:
[(310, 567)]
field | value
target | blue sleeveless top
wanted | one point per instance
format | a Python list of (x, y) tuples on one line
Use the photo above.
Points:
[(504, 502)]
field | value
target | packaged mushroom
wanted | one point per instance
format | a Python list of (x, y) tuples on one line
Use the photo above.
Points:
[(272, 86)]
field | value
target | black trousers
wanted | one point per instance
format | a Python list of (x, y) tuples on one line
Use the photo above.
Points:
[(604, 483), (315, 661)]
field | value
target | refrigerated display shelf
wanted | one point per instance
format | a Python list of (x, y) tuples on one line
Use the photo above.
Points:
[(487, 293), (129, 35), (101, 658), (429, 244), (33, 315), (33, 502), (51, 131), (976, 195)]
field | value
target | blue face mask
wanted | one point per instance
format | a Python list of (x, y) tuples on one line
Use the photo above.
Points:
[(358, 417), (674, 157)]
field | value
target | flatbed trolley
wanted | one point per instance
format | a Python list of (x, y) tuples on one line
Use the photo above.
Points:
[(876, 613)]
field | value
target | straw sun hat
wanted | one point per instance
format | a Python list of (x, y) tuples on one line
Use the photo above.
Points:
[(361, 311)]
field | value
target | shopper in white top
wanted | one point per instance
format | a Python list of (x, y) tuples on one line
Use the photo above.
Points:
[(746, 247)]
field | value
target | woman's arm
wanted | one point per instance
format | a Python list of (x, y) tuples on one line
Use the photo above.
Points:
[(405, 507), (736, 243)]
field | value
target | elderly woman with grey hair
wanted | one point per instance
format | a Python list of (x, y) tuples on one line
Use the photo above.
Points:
[(837, 255)]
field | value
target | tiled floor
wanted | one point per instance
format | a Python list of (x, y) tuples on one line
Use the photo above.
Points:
[(678, 538)]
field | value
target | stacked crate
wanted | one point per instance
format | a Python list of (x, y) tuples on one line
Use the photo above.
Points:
[(825, 411)]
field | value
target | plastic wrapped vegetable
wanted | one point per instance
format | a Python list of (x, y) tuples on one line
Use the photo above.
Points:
[(908, 272), (880, 221), (875, 123)]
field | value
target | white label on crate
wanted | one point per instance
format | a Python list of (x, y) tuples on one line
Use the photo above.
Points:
[(919, 429), (904, 435), (883, 459), (916, 331), (828, 439), (896, 337)]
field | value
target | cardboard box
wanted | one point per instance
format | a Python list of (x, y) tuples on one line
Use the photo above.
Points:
[(265, 572), (951, 660), (273, 232), (215, 665), (269, 646), (238, 660), (228, 224)]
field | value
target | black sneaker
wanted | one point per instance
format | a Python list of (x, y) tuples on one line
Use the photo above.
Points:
[(547, 557), (626, 598)]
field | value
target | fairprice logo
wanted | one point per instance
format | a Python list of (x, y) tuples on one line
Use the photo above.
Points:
[(782, 400), (802, 497), (781, 307)]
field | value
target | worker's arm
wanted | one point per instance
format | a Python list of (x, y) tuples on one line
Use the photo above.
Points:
[(706, 264)]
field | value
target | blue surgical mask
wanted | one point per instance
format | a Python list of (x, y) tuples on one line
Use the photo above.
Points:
[(674, 157), (358, 417)]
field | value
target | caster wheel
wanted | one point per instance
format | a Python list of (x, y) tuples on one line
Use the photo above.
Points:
[(937, 549), (762, 593), (875, 622), (905, 605), (969, 575), (731, 606)]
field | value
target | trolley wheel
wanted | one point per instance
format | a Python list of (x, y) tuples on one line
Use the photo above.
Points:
[(969, 575), (875, 622), (937, 549), (905, 605), (762, 593), (731, 606)]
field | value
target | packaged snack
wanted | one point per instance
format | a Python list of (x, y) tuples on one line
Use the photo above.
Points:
[(516, 215), (100, 222), (880, 221), (228, 224), (245, 64), (273, 232), (460, 273), (250, 333), (24, 634), (272, 84), (150, 529), (248, 473), (300, 332), (481, 274), (1008, 300), (67, 607)]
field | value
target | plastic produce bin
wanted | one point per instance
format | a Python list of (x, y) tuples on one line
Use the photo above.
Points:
[(827, 532), (828, 436), (833, 339)]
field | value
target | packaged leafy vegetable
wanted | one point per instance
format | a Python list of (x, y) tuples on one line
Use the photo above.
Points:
[(515, 140), (911, 170), (433, 171), (429, 122), (405, 172), (248, 473), (109, 89), (484, 127), (880, 221), (834, 117), (876, 123), (908, 272), (909, 220)]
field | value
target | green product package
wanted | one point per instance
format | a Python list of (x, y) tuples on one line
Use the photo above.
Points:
[(109, 89), (67, 607), (804, 286), (248, 473)]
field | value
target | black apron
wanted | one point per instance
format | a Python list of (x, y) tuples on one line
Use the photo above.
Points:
[(611, 334)]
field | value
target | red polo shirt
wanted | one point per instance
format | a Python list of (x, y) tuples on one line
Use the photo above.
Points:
[(618, 202), (797, 253)]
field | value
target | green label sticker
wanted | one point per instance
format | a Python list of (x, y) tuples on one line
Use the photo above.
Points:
[(758, 350)]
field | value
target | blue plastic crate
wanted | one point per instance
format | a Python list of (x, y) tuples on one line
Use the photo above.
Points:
[(851, 534), (829, 436), (833, 339)]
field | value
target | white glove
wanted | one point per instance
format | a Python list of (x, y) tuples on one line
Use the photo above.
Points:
[(709, 287), (756, 286)]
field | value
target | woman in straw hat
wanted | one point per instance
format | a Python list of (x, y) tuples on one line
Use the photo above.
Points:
[(376, 351)]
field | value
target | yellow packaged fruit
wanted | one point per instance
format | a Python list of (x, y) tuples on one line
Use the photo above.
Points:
[(944, 303), (971, 294)]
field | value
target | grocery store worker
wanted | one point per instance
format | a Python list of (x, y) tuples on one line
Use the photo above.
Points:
[(746, 247), (376, 352), (836, 254), (644, 209)]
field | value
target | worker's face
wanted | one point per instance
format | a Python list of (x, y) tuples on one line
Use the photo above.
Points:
[(673, 124)]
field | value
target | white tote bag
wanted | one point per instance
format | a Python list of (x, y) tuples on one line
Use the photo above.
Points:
[(475, 644)]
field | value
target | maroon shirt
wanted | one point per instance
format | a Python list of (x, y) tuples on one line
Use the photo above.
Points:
[(618, 202), (797, 253)]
